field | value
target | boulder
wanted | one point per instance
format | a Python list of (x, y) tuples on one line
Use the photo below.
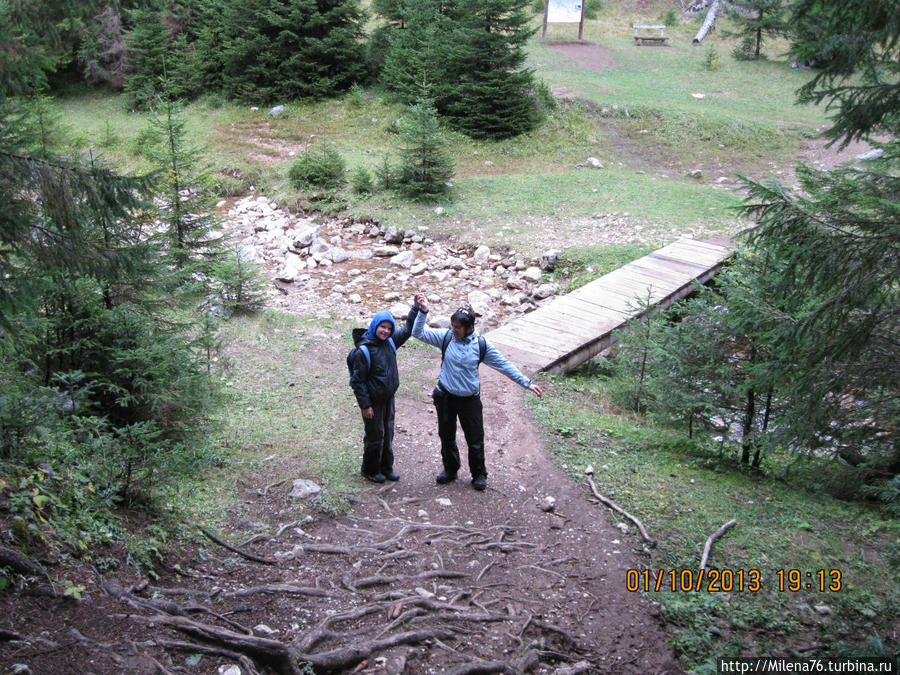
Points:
[(404, 259), (304, 489), (549, 260)]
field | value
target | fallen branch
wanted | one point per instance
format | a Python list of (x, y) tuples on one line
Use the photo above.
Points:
[(709, 542), (234, 549), (615, 507)]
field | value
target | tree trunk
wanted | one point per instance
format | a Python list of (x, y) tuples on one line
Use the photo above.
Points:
[(749, 412), (708, 22)]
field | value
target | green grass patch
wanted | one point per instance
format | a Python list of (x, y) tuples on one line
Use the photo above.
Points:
[(289, 412), (683, 491)]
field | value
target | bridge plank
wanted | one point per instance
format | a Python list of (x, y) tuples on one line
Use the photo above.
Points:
[(571, 329)]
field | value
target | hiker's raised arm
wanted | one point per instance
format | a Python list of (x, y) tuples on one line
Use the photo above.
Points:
[(419, 331), (421, 301)]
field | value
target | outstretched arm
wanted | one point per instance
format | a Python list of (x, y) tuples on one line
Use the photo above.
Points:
[(496, 360)]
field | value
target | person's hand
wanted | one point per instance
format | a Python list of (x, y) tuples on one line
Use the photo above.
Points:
[(422, 301), (368, 413), (537, 390)]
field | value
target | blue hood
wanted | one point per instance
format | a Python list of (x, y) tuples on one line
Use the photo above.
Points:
[(381, 317)]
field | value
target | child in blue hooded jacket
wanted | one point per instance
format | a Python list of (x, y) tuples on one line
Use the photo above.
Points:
[(374, 382)]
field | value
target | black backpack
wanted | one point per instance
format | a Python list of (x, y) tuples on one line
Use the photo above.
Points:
[(358, 334), (482, 346)]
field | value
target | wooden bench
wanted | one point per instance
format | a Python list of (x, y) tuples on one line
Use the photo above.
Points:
[(644, 39)]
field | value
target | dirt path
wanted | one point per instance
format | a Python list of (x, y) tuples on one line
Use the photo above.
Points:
[(418, 578)]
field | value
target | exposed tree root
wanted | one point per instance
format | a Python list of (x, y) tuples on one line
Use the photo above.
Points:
[(235, 549), (21, 563)]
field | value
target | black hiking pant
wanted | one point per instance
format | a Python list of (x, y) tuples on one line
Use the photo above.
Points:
[(378, 452), (468, 410)]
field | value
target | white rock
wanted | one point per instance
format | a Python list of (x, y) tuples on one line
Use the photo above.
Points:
[(290, 269), (594, 162), (482, 255), (532, 273), (404, 259), (337, 255), (443, 501), (399, 310), (304, 489), (385, 251), (874, 153), (263, 629), (546, 290)]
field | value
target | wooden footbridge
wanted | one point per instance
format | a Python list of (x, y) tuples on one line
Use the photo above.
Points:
[(574, 327)]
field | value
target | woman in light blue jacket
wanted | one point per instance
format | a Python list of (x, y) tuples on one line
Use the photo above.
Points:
[(458, 391)]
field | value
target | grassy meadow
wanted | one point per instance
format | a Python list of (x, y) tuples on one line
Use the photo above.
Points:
[(639, 115)]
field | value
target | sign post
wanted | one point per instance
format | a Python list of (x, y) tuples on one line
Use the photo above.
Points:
[(563, 11)]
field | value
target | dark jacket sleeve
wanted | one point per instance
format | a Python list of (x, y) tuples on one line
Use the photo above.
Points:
[(358, 380), (404, 333)]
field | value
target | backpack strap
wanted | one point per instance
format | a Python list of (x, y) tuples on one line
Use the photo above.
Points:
[(365, 350), (482, 346)]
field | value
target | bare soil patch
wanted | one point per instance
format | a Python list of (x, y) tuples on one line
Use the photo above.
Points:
[(588, 56)]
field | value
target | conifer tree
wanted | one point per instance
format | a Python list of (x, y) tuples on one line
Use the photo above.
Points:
[(489, 92), (148, 47), (425, 167), (185, 206), (288, 49), (417, 53), (757, 20), (812, 311), (80, 309)]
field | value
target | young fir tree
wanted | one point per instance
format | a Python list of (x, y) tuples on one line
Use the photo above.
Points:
[(417, 52), (757, 20), (489, 93), (148, 46), (288, 49), (185, 206), (425, 168)]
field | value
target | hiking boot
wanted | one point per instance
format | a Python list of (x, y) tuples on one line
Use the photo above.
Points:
[(479, 483), (391, 475), (445, 477), (374, 477)]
